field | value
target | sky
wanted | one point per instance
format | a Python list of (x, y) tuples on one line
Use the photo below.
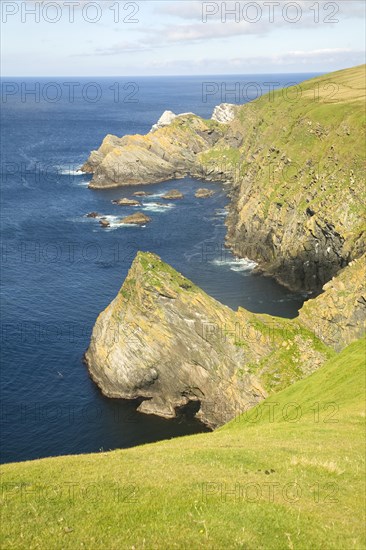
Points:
[(181, 37)]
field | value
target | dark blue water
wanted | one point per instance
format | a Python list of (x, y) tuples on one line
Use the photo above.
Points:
[(60, 269)]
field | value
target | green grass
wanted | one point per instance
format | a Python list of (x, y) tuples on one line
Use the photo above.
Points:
[(263, 481), (324, 126)]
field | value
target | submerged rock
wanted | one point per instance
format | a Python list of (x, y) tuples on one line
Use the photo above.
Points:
[(174, 194), (126, 202), (136, 219), (92, 215), (204, 193), (104, 223), (141, 194)]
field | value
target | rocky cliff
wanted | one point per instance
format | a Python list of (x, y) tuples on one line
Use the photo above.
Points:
[(298, 193), (294, 160), (169, 151), (165, 342), (338, 315)]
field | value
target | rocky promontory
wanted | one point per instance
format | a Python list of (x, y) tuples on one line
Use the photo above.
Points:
[(169, 152), (167, 343)]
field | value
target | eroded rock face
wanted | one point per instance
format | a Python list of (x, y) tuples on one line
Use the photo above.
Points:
[(338, 316), (164, 340), (169, 152)]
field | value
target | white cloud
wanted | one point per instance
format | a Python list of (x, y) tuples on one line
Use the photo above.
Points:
[(333, 58)]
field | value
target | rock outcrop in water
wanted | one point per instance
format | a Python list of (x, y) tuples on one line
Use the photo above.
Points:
[(165, 341), (136, 219), (295, 169), (169, 152)]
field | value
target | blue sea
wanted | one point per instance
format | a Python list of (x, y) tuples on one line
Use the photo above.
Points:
[(61, 269)]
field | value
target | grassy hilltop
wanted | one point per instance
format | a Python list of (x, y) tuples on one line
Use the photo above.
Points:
[(286, 474)]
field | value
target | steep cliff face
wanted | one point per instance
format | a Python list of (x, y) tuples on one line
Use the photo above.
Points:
[(298, 190), (165, 341), (338, 316)]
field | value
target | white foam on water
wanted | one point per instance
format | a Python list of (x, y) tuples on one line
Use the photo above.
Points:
[(156, 195), (155, 207), (236, 264), (68, 172), (115, 222), (221, 213)]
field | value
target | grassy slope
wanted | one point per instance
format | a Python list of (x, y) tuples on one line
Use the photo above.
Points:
[(156, 496), (324, 124)]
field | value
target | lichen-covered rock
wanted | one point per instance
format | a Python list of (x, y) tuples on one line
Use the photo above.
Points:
[(165, 341), (338, 316), (169, 152)]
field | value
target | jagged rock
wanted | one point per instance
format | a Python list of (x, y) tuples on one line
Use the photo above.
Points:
[(174, 194), (170, 152), (92, 215), (126, 202), (224, 113), (136, 219), (141, 194), (166, 118), (203, 193), (165, 341)]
